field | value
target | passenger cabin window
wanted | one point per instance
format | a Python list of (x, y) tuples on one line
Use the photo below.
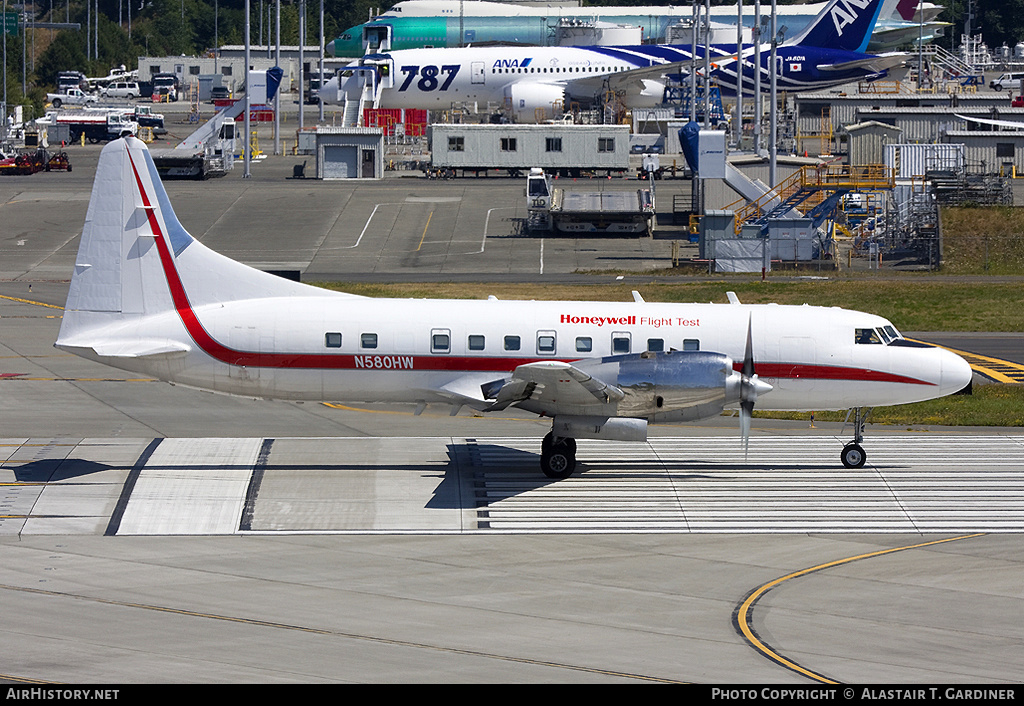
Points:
[(656, 345), (867, 336), (475, 343), (620, 344), (440, 341), (584, 344), (368, 340), (545, 342), (691, 344), (332, 340), (512, 343)]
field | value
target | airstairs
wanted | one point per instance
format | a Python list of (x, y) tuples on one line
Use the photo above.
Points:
[(362, 90), (816, 191)]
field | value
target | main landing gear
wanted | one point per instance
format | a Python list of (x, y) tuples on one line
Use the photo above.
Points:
[(853, 455), (557, 456)]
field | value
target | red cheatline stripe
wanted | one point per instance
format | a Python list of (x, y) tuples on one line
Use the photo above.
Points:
[(828, 372), (403, 362)]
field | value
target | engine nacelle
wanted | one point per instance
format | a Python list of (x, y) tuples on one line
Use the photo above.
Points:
[(644, 93), (680, 386), (608, 428), (533, 102)]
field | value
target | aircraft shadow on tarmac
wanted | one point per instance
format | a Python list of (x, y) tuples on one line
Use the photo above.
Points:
[(58, 469)]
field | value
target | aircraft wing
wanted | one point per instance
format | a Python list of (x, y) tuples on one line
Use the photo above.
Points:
[(1014, 124), (896, 35), (875, 63), (632, 81), (554, 383)]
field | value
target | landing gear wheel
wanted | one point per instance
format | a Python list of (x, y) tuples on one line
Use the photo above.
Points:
[(853, 456), (557, 458)]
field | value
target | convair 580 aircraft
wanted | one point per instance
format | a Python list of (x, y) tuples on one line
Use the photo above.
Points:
[(829, 52), (145, 296)]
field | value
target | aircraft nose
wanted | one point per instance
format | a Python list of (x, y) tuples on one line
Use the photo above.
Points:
[(956, 373)]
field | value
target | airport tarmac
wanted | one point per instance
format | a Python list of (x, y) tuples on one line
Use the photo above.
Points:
[(152, 533)]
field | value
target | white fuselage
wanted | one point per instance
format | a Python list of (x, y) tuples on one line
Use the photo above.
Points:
[(366, 350)]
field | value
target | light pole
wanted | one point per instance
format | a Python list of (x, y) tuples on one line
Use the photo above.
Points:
[(773, 115), (247, 141), (277, 93)]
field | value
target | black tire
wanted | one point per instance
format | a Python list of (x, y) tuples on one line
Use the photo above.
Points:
[(57, 102), (557, 459), (853, 456)]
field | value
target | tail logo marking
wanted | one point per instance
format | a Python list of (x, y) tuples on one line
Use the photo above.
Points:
[(844, 13)]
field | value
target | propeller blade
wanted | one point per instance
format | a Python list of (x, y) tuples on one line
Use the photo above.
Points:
[(746, 412), (747, 393), (748, 354)]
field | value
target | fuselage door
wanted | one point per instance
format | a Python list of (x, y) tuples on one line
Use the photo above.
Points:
[(477, 72)]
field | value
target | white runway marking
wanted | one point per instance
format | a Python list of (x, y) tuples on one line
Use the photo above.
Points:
[(796, 484), (191, 486), (912, 483)]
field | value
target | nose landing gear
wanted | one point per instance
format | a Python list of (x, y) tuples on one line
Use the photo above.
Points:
[(853, 455)]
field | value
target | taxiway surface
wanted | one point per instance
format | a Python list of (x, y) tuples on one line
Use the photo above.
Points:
[(378, 546), (153, 533)]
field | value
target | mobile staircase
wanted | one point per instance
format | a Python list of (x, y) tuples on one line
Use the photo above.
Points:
[(362, 90), (815, 190)]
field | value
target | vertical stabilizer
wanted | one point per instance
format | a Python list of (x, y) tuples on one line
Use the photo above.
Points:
[(136, 260), (842, 24)]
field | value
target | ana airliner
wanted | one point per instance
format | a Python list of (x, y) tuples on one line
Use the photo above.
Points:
[(146, 297), (415, 24), (531, 81)]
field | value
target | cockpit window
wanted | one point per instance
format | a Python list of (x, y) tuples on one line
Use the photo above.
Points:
[(867, 335), (893, 333)]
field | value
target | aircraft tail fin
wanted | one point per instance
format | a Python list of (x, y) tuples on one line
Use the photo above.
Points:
[(842, 24), (136, 259)]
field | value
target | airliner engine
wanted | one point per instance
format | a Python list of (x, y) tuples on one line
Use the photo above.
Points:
[(644, 93), (533, 102)]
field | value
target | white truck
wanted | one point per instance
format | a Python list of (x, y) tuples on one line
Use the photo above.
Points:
[(96, 126), (73, 96)]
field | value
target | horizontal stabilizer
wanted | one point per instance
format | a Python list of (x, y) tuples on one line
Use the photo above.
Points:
[(144, 348), (879, 63)]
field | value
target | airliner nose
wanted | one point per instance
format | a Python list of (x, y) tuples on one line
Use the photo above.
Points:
[(956, 373)]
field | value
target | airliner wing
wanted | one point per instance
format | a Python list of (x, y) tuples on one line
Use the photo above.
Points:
[(896, 35), (875, 63), (1013, 124), (628, 81), (554, 382)]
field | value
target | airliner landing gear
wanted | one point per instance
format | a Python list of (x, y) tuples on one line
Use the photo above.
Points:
[(557, 456), (853, 455)]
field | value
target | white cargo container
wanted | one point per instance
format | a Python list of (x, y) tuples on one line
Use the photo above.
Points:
[(565, 148), (913, 160)]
